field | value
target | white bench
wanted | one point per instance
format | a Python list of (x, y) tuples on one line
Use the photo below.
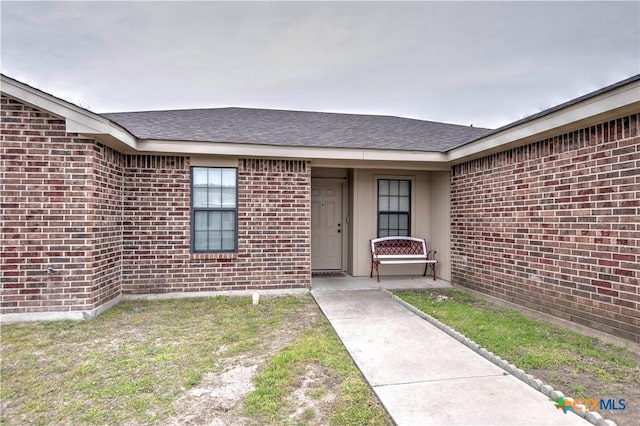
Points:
[(400, 250)]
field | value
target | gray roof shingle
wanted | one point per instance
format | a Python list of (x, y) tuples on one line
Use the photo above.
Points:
[(296, 128)]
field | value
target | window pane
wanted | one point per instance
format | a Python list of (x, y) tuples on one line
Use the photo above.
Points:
[(228, 221), (383, 205), (384, 233), (393, 221), (199, 197), (228, 197), (215, 177), (403, 221), (228, 178), (383, 187), (404, 204), (394, 187), (393, 204), (215, 240), (215, 221), (200, 240), (215, 197), (200, 219), (384, 221), (199, 176), (228, 240), (404, 187)]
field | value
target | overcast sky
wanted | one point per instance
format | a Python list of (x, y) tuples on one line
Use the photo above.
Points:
[(480, 63)]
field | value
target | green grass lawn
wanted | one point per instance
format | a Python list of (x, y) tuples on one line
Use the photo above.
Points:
[(580, 366), (132, 363), (317, 346)]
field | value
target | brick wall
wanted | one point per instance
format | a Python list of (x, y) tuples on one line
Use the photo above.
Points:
[(273, 229), (156, 226), (111, 224), (275, 222), (555, 226), (47, 193), (107, 210)]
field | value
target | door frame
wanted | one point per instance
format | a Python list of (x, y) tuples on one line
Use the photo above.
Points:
[(344, 218)]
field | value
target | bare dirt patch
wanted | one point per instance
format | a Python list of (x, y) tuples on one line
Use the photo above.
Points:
[(312, 396), (217, 399)]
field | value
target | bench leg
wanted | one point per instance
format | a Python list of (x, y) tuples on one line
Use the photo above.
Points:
[(433, 268), (375, 265)]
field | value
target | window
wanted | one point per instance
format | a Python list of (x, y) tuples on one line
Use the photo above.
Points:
[(394, 208), (213, 210)]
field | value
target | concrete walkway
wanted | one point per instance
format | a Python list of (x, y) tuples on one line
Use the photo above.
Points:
[(423, 376)]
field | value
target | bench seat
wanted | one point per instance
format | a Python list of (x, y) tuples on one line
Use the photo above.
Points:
[(401, 250)]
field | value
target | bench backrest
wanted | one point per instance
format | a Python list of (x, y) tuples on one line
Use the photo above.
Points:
[(398, 246)]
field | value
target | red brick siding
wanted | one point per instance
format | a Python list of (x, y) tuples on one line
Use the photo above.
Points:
[(47, 220), (275, 222), (156, 226), (107, 206), (555, 226), (273, 229)]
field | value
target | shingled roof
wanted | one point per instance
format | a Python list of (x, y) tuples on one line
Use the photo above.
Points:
[(296, 128)]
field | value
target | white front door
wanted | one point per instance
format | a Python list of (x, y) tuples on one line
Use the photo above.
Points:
[(326, 226)]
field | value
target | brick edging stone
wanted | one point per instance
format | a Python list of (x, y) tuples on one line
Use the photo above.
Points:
[(592, 417)]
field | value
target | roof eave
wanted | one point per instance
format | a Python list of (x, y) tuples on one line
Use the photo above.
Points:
[(608, 103), (77, 119), (593, 110), (272, 151)]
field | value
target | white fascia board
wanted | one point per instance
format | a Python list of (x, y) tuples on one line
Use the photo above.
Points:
[(95, 128), (381, 165), (598, 108), (77, 120), (252, 150)]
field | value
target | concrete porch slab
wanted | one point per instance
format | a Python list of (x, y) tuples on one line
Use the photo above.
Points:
[(347, 282)]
